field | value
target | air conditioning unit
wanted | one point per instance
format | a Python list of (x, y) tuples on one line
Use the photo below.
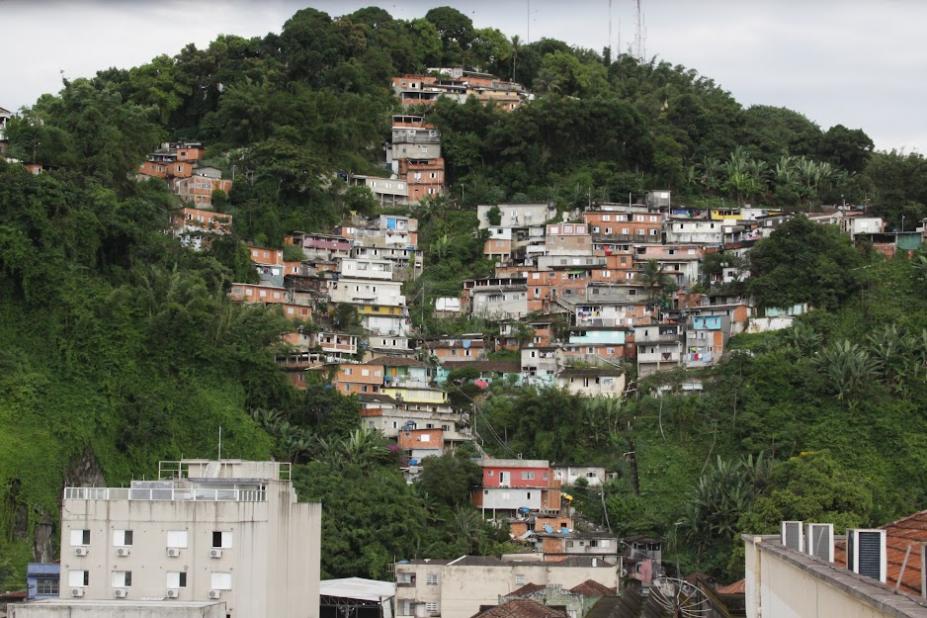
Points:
[(120, 594), (792, 535), (122, 552), (77, 592), (173, 593), (81, 551), (215, 553), (866, 554), (215, 594), (173, 552), (819, 541)]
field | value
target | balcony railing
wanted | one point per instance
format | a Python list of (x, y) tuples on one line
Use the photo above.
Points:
[(165, 494)]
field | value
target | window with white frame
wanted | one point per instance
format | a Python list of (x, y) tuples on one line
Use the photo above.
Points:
[(221, 539), (177, 539), (432, 579), (176, 579), (122, 579), (46, 585), (220, 581), (80, 538), (78, 578), (122, 538)]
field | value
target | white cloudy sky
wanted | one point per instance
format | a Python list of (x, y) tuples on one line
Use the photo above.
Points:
[(862, 63)]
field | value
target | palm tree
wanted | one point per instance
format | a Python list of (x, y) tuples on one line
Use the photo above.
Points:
[(364, 447), (653, 278), (917, 345), (471, 528), (887, 347), (848, 367), (802, 338)]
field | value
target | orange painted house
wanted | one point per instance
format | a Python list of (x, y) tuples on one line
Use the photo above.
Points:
[(265, 256), (354, 378), (254, 293), (421, 439)]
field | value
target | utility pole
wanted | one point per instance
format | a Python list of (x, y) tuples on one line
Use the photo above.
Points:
[(422, 324)]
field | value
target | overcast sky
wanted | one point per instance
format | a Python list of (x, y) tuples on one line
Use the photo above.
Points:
[(859, 63)]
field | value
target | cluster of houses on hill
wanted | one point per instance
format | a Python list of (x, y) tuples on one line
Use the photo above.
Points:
[(413, 155), (180, 165)]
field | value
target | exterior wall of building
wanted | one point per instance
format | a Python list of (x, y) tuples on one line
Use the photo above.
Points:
[(385, 324), (295, 312), (416, 395), (625, 226), (516, 215), (599, 337), (422, 439), (508, 473), (366, 268), (696, 232), (336, 342), (511, 499), (198, 189), (568, 475), (252, 293), (420, 150), (465, 588), (388, 342), (500, 304), (354, 378), (362, 291), (391, 422), (263, 255), (114, 609), (593, 386)]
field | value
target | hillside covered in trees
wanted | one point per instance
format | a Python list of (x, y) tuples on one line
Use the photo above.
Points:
[(120, 348)]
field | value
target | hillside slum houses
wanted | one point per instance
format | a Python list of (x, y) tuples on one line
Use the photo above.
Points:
[(576, 299)]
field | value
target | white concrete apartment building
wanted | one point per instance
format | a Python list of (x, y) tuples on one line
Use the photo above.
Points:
[(364, 291), (229, 531), (516, 215), (457, 588)]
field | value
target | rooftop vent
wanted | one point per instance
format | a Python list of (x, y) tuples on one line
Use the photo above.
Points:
[(866, 553), (792, 535), (819, 541)]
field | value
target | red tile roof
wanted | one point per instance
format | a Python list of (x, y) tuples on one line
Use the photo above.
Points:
[(909, 531), (520, 608), (526, 590), (592, 588), (738, 587)]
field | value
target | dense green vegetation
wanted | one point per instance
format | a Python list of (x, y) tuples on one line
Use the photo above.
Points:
[(119, 348)]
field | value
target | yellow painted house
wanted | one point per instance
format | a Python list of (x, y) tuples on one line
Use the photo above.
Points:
[(726, 214), (379, 310), (416, 395)]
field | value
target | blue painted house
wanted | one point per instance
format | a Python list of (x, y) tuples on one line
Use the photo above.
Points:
[(42, 580)]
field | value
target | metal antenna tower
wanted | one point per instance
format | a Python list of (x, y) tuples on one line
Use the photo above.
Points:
[(609, 45), (639, 37), (529, 22)]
